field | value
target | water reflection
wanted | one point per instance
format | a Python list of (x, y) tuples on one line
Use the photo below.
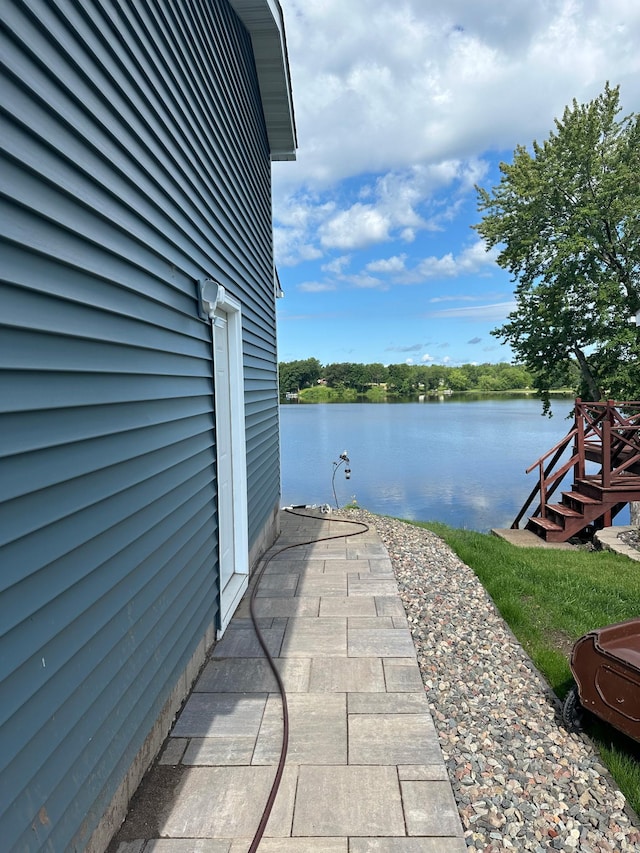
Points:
[(458, 462)]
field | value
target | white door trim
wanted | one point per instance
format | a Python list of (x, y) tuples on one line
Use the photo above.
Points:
[(228, 308)]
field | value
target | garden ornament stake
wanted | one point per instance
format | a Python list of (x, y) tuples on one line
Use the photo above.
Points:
[(344, 460)]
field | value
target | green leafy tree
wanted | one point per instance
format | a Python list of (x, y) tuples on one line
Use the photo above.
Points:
[(375, 373), (474, 371), (433, 376), (294, 375), (458, 379), (287, 377), (516, 376), (487, 382), (337, 373), (566, 217), (357, 377), (402, 378)]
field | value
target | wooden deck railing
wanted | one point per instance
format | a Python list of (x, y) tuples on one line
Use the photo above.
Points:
[(604, 432)]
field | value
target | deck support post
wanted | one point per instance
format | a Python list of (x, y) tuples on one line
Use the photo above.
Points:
[(579, 468), (606, 444)]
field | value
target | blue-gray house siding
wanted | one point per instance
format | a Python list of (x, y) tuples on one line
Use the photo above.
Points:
[(136, 152)]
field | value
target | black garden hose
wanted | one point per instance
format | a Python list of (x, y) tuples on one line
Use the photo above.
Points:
[(257, 838)]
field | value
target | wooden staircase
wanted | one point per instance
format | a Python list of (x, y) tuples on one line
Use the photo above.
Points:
[(605, 435)]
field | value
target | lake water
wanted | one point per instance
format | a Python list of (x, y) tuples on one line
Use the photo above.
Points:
[(460, 462)]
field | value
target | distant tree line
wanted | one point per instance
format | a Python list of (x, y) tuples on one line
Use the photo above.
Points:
[(407, 379)]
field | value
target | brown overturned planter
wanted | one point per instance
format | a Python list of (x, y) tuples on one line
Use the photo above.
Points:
[(606, 666)]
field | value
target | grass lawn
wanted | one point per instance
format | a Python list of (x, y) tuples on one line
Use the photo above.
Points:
[(549, 598)]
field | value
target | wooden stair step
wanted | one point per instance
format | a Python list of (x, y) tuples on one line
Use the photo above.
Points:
[(547, 529), (578, 497), (545, 524), (622, 491), (564, 510), (621, 486)]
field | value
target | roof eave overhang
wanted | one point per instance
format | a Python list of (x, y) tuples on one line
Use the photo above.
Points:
[(265, 24)]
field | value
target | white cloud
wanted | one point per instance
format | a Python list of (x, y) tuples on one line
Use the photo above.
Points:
[(444, 267), (298, 216), (385, 86), (396, 205), (337, 265), (476, 256), (495, 312), (472, 260), (364, 281), (387, 265), (316, 286), (354, 228), (290, 247), (456, 298)]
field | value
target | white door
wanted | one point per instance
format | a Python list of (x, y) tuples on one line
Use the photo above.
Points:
[(231, 456), (224, 447)]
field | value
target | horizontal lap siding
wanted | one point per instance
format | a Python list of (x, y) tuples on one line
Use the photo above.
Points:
[(136, 161), (263, 444)]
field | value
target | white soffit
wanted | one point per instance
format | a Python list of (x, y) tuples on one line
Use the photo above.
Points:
[(265, 23)]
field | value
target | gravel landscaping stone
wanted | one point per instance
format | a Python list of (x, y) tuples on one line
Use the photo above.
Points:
[(521, 781), (631, 538)]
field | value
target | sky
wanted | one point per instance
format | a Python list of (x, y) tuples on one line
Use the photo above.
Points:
[(401, 109)]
